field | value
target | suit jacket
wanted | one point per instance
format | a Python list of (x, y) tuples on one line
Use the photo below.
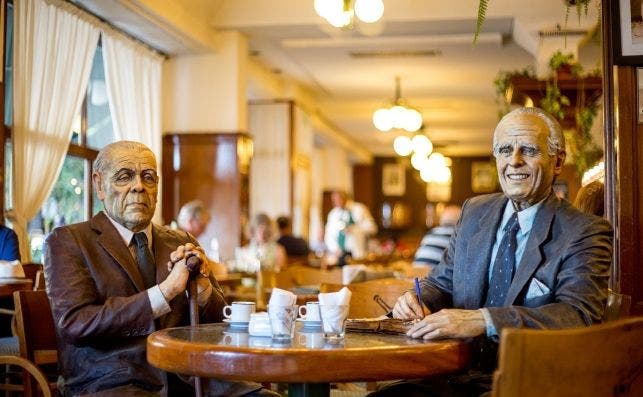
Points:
[(101, 308), (561, 280)]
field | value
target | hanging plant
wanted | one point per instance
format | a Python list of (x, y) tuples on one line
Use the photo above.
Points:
[(582, 6), (554, 101), (502, 86)]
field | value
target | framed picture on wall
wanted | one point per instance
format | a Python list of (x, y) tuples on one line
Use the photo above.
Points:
[(393, 179), (483, 177), (628, 32)]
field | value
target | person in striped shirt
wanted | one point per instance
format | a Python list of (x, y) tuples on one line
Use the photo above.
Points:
[(436, 240)]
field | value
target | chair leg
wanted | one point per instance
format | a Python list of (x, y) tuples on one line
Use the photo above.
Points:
[(31, 370)]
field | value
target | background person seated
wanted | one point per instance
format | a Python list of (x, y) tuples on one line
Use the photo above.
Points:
[(436, 240), (262, 252), (591, 198), (194, 218), (294, 246)]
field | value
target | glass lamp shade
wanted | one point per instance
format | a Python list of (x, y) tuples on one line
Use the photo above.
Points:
[(402, 145), (412, 120), (419, 160), (328, 8), (382, 119), (437, 160), (369, 11), (341, 19), (422, 145), (397, 113)]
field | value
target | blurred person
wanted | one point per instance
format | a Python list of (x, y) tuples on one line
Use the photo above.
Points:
[(9, 247), (294, 246), (521, 258), (194, 218), (116, 278), (591, 198), (436, 240), (262, 252), (348, 227)]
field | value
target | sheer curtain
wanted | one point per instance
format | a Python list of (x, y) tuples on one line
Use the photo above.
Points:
[(133, 78), (53, 52)]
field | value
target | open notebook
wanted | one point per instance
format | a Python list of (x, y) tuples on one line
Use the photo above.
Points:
[(379, 324)]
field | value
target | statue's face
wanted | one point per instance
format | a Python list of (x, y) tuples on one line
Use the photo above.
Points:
[(526, 170), (128, 188)]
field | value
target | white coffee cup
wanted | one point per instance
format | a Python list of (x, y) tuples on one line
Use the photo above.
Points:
[(310, 312), (239, 312)]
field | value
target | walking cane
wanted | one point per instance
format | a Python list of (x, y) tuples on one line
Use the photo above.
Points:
[(193, 263)]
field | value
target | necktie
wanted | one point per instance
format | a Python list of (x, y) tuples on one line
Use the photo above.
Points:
[(503, 267), (145, 260)]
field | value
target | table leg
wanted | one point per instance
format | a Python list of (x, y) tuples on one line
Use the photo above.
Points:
[(308, 389)]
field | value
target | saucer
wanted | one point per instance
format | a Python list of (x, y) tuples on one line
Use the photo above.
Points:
[(235, 330), (236, 324)]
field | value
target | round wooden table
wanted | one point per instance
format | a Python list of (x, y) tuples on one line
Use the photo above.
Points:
[(307, 362)]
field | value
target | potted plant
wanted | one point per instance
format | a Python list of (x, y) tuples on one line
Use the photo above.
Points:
[(502, 85), (564, 65)]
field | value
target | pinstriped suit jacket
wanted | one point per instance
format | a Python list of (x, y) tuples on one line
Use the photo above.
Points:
[(568, 256)]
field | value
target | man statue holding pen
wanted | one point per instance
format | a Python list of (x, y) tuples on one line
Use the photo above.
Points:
[(523, 258)]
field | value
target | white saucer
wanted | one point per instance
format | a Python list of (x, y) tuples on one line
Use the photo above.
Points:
[(236, 324), (309, 323)]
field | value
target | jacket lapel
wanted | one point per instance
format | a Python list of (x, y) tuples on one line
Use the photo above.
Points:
[(162, 247), (532, 256), (477, 263), (112, 242)]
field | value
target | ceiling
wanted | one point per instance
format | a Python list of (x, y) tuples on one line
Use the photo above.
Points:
[(350, 73)]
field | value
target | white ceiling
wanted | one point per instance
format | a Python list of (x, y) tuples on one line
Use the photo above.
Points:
[(453, 88)]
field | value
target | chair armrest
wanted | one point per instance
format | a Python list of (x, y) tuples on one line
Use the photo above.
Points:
[(31, 368)]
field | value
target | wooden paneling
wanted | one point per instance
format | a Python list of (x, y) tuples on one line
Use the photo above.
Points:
[(363, 185), (207, 167), (629, 147)]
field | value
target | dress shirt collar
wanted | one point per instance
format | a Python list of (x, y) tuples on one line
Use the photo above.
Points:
[(127, 234), (525, 217)]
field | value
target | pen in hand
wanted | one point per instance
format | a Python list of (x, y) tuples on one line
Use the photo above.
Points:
[(418, 295)]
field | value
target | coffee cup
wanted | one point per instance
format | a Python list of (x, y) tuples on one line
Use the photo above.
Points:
[(239, 312), (310, 312)]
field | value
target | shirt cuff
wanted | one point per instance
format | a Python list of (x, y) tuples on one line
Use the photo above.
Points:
[(158, 302), (204, 290), (491, 329)]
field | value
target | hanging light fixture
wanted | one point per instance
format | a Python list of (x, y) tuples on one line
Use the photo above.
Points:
[(339, 13), (399, 115)]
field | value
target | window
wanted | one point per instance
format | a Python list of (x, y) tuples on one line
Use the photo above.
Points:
[(71, 199)]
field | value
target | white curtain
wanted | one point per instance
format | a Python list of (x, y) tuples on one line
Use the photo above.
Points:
[(53, 52), (133, 78)]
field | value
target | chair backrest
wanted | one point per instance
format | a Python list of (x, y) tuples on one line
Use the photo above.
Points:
[(362, 303), (35, 327), (31, 270), (601, 360)]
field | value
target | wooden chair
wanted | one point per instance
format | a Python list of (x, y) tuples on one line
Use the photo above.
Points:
[(37, 340), (601, 360), (362, 303)]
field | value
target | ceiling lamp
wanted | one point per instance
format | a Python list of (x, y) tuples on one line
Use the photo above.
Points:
[(399, 115), (339, 13)]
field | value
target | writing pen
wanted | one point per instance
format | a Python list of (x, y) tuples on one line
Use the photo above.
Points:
[(418, 295)]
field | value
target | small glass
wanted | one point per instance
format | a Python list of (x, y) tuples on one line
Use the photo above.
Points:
[(282, 321), (334, 322)]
